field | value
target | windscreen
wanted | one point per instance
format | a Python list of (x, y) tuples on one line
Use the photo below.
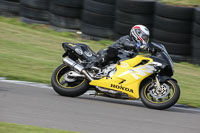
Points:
[(162, 49)]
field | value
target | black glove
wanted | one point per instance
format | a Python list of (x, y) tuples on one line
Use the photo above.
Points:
[(153, 51), (144, 47)]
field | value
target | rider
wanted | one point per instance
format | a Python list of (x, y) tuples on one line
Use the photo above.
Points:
[(138, 39)]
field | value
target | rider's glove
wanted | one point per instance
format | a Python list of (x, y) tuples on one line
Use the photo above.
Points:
[(153, 51), (144, 47)]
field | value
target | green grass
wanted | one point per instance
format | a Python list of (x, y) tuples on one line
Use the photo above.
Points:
[(32, 52), (190, 3), (188, 77), (16, 128)]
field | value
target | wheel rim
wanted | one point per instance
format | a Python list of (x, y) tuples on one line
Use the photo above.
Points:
[(63, 83), (163, 95)]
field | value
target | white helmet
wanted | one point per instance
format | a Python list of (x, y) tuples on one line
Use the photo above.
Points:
[(140, 33)]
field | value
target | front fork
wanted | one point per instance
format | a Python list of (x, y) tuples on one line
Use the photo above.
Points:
[(161, 79), (157, 82)]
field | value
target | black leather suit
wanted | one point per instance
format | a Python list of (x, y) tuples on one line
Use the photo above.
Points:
[(110, 53)]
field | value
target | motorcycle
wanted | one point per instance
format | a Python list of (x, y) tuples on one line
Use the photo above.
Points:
[(131, 76)]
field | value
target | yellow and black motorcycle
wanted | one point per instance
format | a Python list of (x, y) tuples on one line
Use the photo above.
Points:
[(132, 76)]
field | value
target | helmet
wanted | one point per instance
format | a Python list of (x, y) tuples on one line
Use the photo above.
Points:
[(140, 33)]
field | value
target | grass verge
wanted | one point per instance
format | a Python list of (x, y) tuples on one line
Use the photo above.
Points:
[(32, 52), (189, 3), (16, 128)]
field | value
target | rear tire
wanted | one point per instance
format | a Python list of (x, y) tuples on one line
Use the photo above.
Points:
[(167, 101), (72, 89)]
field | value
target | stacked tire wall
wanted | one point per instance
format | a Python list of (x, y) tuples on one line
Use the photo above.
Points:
[(34, 11), (196, 37), (178, 28), (132, 12), (9, 7), (97, 18), (172, 27), (66, 13)]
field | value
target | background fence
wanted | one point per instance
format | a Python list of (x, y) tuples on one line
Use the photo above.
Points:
[(178, 28)]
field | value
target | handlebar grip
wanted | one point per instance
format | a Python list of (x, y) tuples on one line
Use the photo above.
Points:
[(153, 51)]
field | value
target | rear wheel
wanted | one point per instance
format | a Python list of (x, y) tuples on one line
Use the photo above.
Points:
[(160, 98), (65, 85)]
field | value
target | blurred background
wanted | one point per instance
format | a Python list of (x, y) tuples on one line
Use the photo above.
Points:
[(174, 23), (31, 33)]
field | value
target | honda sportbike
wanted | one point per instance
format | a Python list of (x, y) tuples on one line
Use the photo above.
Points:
[(130, 76)]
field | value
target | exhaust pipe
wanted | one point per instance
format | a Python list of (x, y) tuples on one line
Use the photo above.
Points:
[(77, 67)]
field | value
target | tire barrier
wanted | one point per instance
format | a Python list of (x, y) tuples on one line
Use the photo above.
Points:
[(97, 19), (172, 27), (173, 12), (9, 7), (171, 37), (196, 29), (37, 4), (64, 22), (172, 47), (65, 14), (69, 3), (132, 12), (178, 28), (196, 37), (96, 30), (34, 11), (100, 7)]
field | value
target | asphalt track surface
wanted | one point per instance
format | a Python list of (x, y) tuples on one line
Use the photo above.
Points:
[(41, 106)]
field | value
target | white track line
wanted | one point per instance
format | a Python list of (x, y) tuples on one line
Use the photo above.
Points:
[(41, 85), (33, 84)]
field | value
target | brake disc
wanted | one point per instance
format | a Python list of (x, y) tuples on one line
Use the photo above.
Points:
[(161, 92)]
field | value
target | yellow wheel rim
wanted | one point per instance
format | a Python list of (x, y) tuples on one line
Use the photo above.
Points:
[(57, 79), (172, 92)]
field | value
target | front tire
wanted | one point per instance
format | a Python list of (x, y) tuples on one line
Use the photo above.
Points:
[(160, 99), (70, 89)]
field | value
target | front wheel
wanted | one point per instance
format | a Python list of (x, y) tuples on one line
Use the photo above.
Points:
[(68, 86), (160, 98)]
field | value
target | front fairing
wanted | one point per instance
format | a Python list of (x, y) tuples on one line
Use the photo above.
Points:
[(128, 76), (163, 57)]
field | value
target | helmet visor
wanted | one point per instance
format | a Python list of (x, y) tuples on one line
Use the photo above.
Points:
[(145, 38), (142, 35)]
